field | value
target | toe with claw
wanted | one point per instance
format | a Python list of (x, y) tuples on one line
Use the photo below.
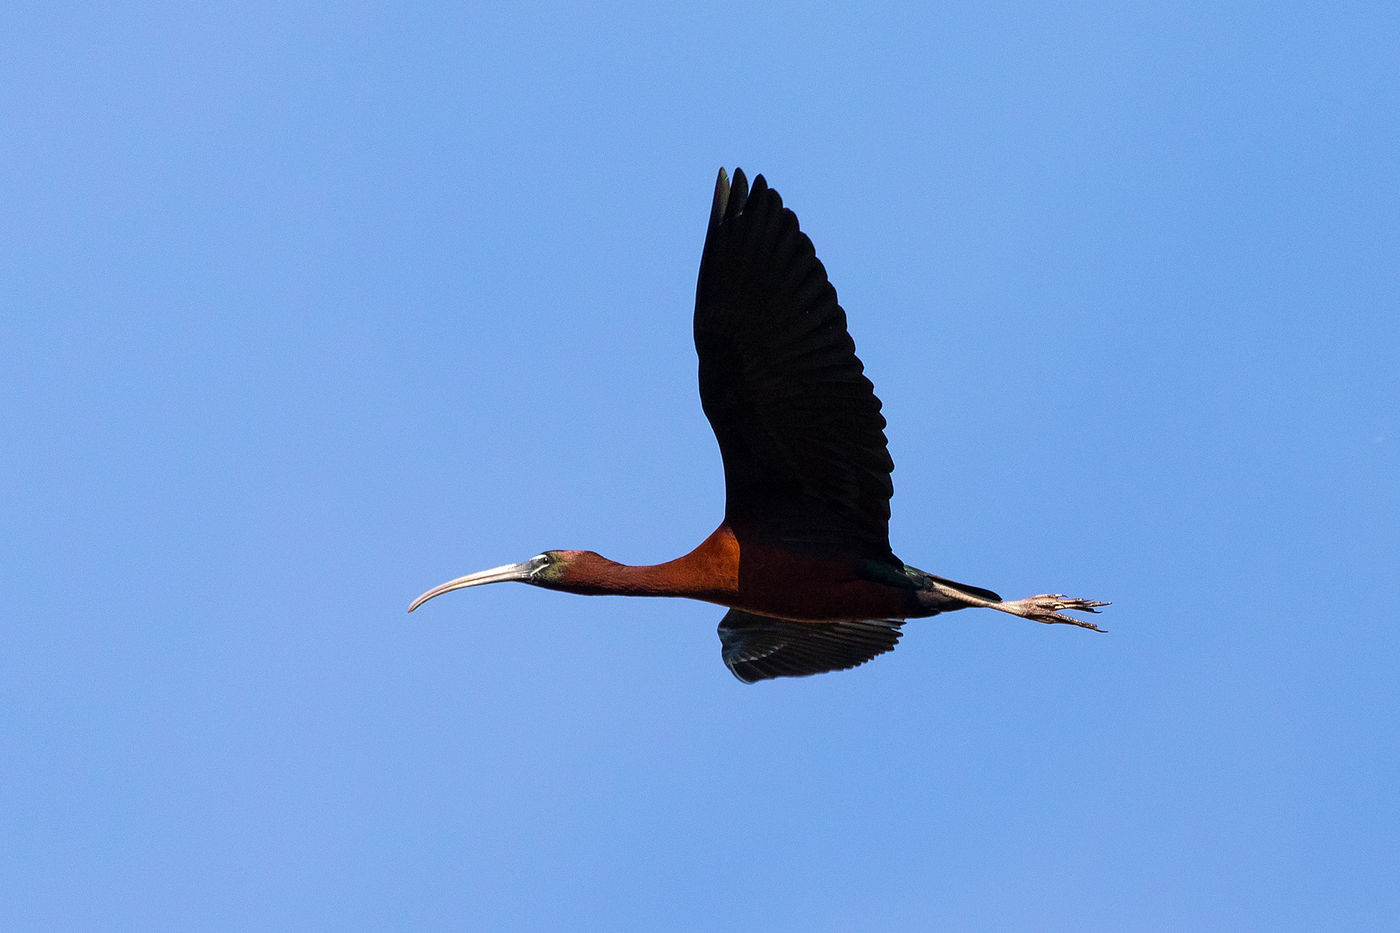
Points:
[(1047, 608)]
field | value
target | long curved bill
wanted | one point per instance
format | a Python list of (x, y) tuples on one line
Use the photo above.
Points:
[(494, 575)]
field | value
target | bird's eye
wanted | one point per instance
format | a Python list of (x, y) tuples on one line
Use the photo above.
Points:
[(538, 563)]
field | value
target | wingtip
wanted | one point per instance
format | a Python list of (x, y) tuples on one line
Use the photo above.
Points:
[(738, 194), (721, 198), (731, 194)]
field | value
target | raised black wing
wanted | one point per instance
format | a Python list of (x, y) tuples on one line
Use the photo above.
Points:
[(798, 423), (757, 647)]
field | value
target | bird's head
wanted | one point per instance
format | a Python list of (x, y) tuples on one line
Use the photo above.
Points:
[(554, 570)]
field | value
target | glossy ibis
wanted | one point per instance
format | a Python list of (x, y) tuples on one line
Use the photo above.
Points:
[(802, 558)]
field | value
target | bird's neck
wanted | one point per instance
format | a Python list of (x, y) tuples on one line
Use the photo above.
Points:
[(709, 572)]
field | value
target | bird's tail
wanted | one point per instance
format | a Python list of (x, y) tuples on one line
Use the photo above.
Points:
[(966, 588)]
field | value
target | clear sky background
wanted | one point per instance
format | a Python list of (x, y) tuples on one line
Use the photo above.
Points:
[(305, 309)]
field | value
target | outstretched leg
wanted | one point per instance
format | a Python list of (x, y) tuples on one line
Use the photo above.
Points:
[(1045, 608)]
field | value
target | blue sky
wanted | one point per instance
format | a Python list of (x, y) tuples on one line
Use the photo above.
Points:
[(304, 310)]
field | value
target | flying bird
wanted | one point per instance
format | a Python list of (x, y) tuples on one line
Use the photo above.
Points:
[(802, 559)]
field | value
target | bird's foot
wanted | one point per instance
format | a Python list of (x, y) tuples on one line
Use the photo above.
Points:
[(1046, 608)]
